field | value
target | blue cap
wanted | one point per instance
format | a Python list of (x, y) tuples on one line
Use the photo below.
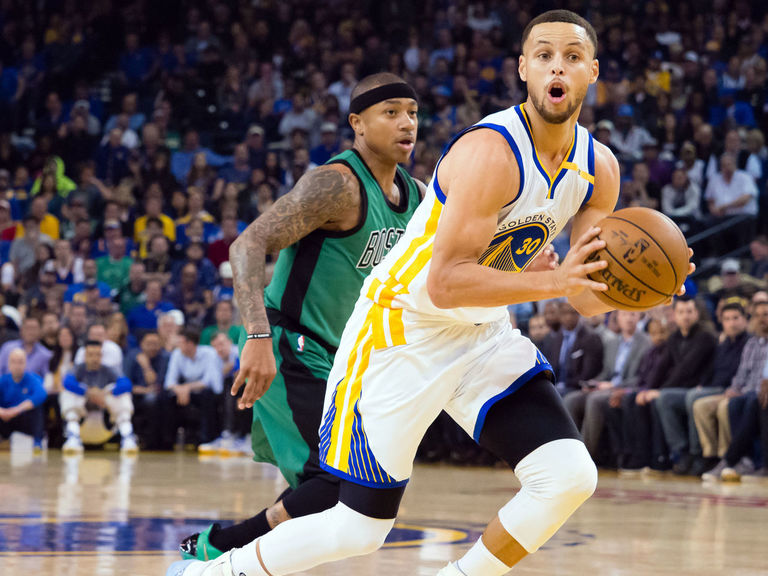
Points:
[(625, 110)]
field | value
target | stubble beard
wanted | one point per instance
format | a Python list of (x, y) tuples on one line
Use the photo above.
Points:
[(556, 117)]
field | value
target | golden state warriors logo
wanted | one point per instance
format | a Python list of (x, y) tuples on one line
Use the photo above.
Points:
[(512, 250)]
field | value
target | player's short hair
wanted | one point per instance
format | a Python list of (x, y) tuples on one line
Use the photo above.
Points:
[(562, 16), (191, 335)]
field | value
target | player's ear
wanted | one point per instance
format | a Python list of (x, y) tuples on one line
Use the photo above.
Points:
[(357, 124), (594, 71), (521, 67)]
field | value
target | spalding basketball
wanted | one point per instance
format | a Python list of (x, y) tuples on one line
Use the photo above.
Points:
[(647, 259)]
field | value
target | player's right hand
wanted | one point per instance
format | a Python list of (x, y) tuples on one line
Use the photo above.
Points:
[(571, 277), (257, 370)]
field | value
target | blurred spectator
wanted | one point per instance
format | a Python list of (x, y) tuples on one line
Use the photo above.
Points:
[(692, 166), (111, 353), (153, 207), (711, 414), (143, 317), (236, 424), (169, 330), (218, 251), (23, 248), (77, 321), (193, 381), (575, 351), (37, 356), (224, 318), (621, 365), (537, 329), (146, 368), (114, 268), (225, 289), (181, 160), (341, 89), (91, 388), (49, 330), (132, 293), (732, 192), (687, 364), (759, 249), (329, 144), (21, 399), (627, 138), (639, 190), (680, 200)]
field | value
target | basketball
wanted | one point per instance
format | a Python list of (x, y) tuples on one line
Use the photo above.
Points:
[(647, 259)]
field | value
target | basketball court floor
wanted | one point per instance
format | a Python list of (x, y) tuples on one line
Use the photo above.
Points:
[(103, 515)]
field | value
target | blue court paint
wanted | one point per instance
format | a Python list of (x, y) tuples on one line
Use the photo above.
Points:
[(32, 535)]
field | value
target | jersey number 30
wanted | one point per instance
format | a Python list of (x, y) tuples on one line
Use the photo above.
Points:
[(512, 250)]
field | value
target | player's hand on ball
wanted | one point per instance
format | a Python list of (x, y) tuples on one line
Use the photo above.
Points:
[(546, 260), (257, 370), (571, 277)]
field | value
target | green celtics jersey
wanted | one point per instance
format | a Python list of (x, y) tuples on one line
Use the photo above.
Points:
[(317, 281)]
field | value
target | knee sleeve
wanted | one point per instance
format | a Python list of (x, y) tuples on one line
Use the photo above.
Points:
[(556, 479), (337, 533)]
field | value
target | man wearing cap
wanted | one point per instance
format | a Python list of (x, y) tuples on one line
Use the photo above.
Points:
[(628, 138), (257, 152), (329, 144), (339, 220), (114, 267)]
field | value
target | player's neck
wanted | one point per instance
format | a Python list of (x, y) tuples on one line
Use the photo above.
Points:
[(552, 140), (383, 170)]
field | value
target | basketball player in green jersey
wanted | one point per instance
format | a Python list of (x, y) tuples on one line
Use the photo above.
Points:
[(337, 223)]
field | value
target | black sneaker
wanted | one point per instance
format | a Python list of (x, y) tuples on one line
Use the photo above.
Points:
[(683, 466), (702, 465)]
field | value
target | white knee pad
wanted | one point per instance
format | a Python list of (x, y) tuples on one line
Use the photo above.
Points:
[(556, 479), (334, 534)]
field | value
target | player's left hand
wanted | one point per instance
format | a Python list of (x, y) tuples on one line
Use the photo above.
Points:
[(547, 259)]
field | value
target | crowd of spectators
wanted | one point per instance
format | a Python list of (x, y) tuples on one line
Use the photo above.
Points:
[(137, 139)]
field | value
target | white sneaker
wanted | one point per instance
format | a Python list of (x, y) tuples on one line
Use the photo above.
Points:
[(128, 445), (242, 446), (210, 448), (221, 566), (450, 570), (73, 445), (227, 446)]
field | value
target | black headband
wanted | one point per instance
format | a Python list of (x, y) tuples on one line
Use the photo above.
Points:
[(385, 92)]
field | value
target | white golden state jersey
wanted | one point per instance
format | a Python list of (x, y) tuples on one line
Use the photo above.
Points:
[(542, 207)]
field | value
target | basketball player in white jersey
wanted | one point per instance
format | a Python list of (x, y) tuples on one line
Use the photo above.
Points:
[(430, 330)]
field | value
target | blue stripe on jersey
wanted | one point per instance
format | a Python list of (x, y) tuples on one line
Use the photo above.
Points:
[(590, 167), (514, 387), (524, 122), (512, 144), (361, 482), (325, 429), (563, 172)]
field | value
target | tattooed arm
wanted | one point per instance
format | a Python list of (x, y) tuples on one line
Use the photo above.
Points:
[(325, 198)]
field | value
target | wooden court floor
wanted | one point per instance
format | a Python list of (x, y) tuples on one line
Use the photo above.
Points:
[(100, 515)]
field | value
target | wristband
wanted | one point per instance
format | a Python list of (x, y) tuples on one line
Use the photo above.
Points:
[(259, 336)]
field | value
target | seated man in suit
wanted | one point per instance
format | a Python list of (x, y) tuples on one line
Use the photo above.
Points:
[(621, 362), (574, 351)]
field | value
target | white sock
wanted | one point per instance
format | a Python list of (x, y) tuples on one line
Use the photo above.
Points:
[(73, 428), (479, 561), (125, 428)]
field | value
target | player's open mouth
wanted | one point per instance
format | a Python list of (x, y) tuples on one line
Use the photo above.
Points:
[(556, 92), (406, 144)]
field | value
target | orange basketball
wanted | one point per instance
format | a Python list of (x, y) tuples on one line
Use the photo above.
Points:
[(647, 259)]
